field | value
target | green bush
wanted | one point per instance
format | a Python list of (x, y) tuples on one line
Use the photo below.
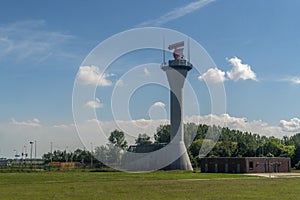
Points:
[(297, 166)]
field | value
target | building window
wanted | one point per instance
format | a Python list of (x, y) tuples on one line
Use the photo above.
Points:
[(216, 167), (251, 165), (238, 168), (206, 167), (226, 167)]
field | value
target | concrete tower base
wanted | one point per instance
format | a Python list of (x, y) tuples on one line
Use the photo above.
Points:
[(183, 162)]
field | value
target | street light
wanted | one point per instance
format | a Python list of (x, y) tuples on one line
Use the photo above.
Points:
[(31, 143), (24, 155), (51, 143)]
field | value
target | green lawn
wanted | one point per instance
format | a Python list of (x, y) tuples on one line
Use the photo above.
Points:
[(158, 185)]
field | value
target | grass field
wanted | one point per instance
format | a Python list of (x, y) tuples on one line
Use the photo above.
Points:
[(158, 185)]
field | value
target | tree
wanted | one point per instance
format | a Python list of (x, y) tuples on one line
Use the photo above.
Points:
[(82, 156), (47, 157), (101, 153), (297, 166), (224, 149), (190, 133), (163, 134), (273, 146), (143, 139), (117, 138), (195, 147)]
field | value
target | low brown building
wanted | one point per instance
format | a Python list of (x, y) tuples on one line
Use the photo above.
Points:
[(245, 165), (65, 165)]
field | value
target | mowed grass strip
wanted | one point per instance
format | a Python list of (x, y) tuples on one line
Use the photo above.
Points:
[(158, 185)]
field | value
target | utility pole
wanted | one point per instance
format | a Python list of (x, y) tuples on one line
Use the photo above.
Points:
[(25, 155), (51, 143), (34, 149), (91, 155)]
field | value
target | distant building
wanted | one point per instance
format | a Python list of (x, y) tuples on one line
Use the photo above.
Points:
[(64, 165), (146, 148), (4, 162), (245, 165)]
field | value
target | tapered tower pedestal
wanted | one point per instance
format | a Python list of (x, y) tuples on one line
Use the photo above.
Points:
[(176, 73)]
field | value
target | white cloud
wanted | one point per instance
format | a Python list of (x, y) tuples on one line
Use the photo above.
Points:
[(213, 75), (18, 134), (177, 13), (13, 137), (94, 104), (24, 39), (240, 70), (33, 122), (296, 80), (159, 104), (239, 123), (293, 80), (64, 126), (290, 126), (91, 75), (146, 72)]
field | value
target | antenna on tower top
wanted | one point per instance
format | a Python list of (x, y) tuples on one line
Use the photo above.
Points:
[(189, 56), (164, 52)]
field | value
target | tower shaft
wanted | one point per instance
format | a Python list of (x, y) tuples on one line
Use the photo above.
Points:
[(176, 73), (176, 80)]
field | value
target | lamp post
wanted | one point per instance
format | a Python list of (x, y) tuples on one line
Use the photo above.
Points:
[(16, 156), (25, 155), (51, 143), (31, 143)]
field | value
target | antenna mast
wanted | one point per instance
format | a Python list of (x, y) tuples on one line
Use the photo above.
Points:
[(164, 52), (189, 57)]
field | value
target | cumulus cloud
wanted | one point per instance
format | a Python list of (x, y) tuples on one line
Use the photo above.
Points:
[(158, 111), (240, 70), (91, 75), (290, 126), (66, 135), (213, 75), (33, 122), (159, 104), (94, 104), (239, 123), (177, 13)]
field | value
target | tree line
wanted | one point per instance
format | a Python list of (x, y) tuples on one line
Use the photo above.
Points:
[(224, 143)]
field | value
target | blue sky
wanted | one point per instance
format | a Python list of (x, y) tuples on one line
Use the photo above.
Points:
[(43, 44)]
